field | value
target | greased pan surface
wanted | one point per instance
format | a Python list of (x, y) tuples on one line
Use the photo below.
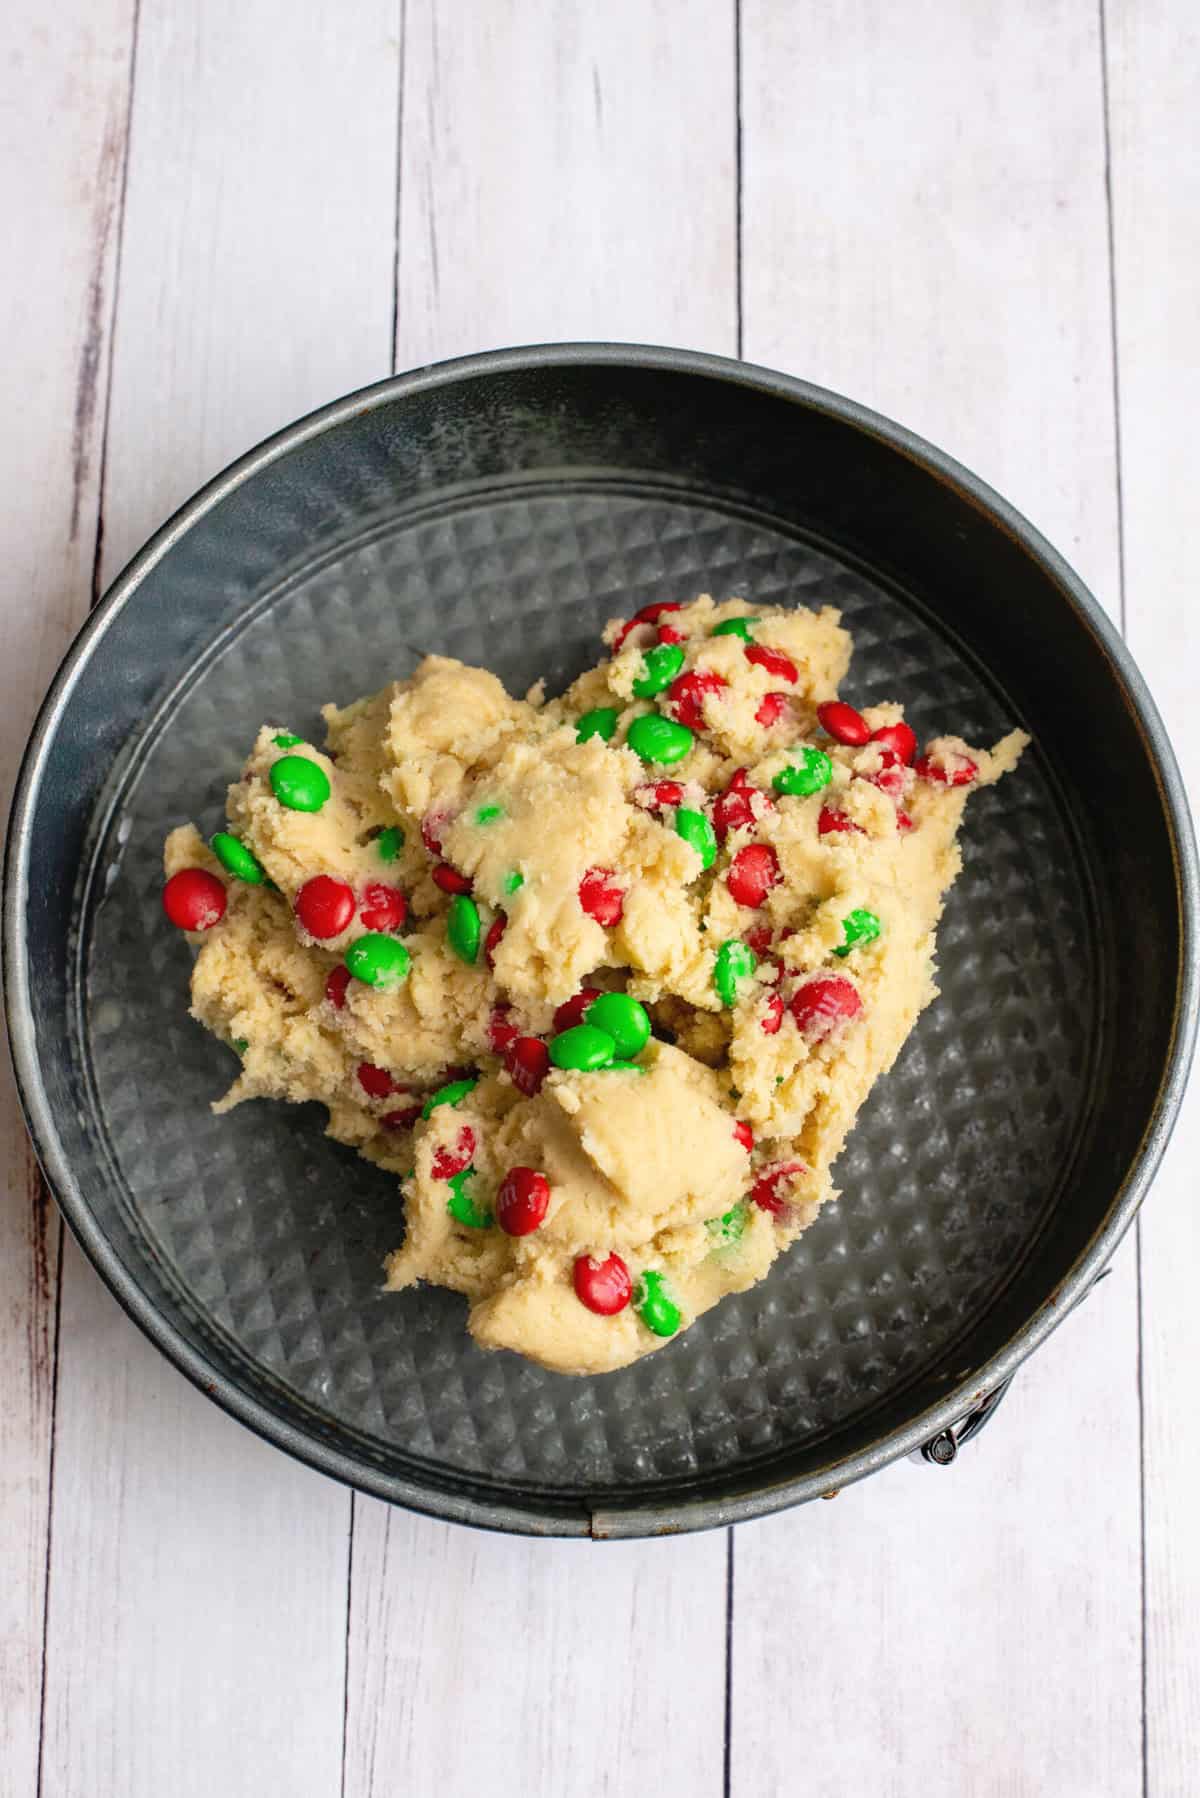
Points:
[(500, 509)]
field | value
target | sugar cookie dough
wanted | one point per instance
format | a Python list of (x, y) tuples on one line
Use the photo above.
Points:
[(604, 980)]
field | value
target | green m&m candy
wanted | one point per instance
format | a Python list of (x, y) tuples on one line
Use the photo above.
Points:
[(809, 775), (241, 862), (735, 962), (285, 740), (389, 843), (621, 1067), (659, 739), (723, 1232), (239, 1045), (659, 668), (600, 722), (735, 627), (698, 833), (487, 814), (300, 785), (463, 1207), (654, 1304), (451, 1094), (622, 1019), (463, 928), (379, 961), (514, 882), (859, 928), (582, 1048)]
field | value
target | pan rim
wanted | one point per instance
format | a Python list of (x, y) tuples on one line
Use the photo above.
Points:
[(531, 1517)]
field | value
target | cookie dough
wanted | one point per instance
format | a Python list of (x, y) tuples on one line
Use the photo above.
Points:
[(602, 980)]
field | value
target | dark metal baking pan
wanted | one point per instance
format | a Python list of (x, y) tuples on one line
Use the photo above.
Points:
[(500, 509)]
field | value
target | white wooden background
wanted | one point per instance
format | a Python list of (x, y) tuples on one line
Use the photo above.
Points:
[(983, 219)]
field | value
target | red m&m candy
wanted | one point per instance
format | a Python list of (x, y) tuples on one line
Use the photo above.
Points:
[(824, 1003), (522, 1201), (383, 907), (324, 906), (844, 723), (753, 871), (194, 899), (603, 1286), (528, 1063), (601, 897)]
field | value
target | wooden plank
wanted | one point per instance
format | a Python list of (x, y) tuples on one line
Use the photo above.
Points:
[(567, 172), (198, 1579), (1153, 78), (550, 188), (925, 228), (64, 87)]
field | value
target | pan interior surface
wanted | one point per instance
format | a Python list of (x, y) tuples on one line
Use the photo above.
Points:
[(265, 1240)]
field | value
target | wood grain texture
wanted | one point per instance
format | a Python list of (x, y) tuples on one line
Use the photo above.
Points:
[(1153, 82), (924, 227), (196, 1640), (567, 171), (65, 82), (549, 190)]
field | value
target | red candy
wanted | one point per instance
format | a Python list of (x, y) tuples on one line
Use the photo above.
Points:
[(325, 907), (603, 1286), (760, 938), (648, 615), (774, 661), (336, 983), (898, 743), (571, 1011), (765, 1191), (844, 723), (732, 809), (753, 871), (491, 941), (383, 907), (450, 880), (450, 1161), (771, 709), (773, 1019), (402, 1120), (903, 821), (824, 1003), (686, 695), (961, 775), (377, 1082), (668, 634), (830, 821), (657, 794), (433, 824), (744, 1134), (193, 899), (601, 898), (522, 1201), (528, 1063), (502, 1032), (891, 779)]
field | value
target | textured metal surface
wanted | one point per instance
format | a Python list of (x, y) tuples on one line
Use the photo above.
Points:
[(279, 1235), (991, 1172)]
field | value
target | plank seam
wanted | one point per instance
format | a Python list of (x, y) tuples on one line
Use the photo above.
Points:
[(87, 373), (737, 163), (403, 23), (727, 1781), (346, 1660)]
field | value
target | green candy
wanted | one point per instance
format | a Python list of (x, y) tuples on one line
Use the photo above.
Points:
[(583, 1048), (241, 862), (735, 627), (623, 1019), (239, 1045), (601, 722), (463, 928), (462, 1207), (659, 668), (379, 961), (389, 843), (736, 961), (698, 833), (300, 785), (453, 1094), (621, 1067), (724, 1231), (659, 739), (654, 1304), (514, 882), (487, 814), (859, 927), (807, 776), (285, 740)]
